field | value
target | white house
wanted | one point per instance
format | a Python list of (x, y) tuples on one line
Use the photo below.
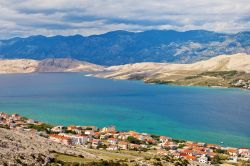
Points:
[(89, 132), (203, 159), (76, 139), (108, 129), (30, 121), (57, 129), (112, 141), (112, 147)]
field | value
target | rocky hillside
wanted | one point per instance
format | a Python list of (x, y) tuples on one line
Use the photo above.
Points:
[(66, 65), (122, 47), (47, 65), (24, 148), (228, 69), (18, 66)]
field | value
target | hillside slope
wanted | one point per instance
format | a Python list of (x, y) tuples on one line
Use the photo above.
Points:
[(237, 66), (47, 65), (24, 148)]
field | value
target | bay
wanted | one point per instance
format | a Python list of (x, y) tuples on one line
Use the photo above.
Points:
[(204, 114)]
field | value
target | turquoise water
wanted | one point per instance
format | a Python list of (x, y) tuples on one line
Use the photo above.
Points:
[(194, 113)]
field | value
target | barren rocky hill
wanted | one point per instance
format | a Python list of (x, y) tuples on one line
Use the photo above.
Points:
[(185, 74), (47, 65), (17, 148)]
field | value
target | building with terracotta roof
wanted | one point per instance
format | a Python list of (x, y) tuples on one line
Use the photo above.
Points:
[(123, 145), (232, 152), (192, 158), (60, 139)]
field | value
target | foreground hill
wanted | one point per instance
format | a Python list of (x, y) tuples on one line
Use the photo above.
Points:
[(24, 148), (122, 47), (218, 71)]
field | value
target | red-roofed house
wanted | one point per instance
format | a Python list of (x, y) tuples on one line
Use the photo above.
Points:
[(60, 139), (123, 145)]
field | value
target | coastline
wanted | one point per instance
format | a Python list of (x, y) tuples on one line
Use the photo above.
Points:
[(110, 139)]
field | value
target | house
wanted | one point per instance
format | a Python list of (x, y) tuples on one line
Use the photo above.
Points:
[(71, 128), (163, 139), (192, 158), (30, 121), (188, 152), (214, 146), (112, 147), (123, 136), (95, 143), (116, 135), (89, 132), (104, 136), (108, 129), (94, 128), (60, 139), (144, 146), (15, 117), (203, 159), (170, 145), (123, 145), (134, 147), (244, 152), (4, 115), (58, 129), (232, 152), (96, 135), (201, 144), (77, 139), (133, 134), (211, 154), (112, 141)]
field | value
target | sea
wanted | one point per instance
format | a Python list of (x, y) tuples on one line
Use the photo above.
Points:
[(202, 114)]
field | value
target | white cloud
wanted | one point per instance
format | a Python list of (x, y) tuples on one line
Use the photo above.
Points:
[(86, 17)]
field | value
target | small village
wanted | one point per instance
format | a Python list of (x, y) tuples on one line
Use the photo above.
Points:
[(109, 139), (244, 84)]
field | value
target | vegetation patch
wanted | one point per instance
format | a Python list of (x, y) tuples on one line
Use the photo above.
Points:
[(223, 74)]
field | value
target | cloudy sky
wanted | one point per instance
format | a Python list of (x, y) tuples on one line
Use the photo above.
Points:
[(87, 17)]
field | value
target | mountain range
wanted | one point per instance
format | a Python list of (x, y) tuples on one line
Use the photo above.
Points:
[(122, 47)]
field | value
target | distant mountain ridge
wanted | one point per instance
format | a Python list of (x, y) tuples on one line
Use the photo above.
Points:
[(122, 47)]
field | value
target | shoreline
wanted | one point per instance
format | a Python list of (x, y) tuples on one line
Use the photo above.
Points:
[(110, 139), (53, 125), (90, 74)]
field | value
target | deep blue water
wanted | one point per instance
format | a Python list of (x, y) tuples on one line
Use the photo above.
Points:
[(194, 113)]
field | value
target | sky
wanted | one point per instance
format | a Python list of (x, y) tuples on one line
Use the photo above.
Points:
[(87, 17)]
